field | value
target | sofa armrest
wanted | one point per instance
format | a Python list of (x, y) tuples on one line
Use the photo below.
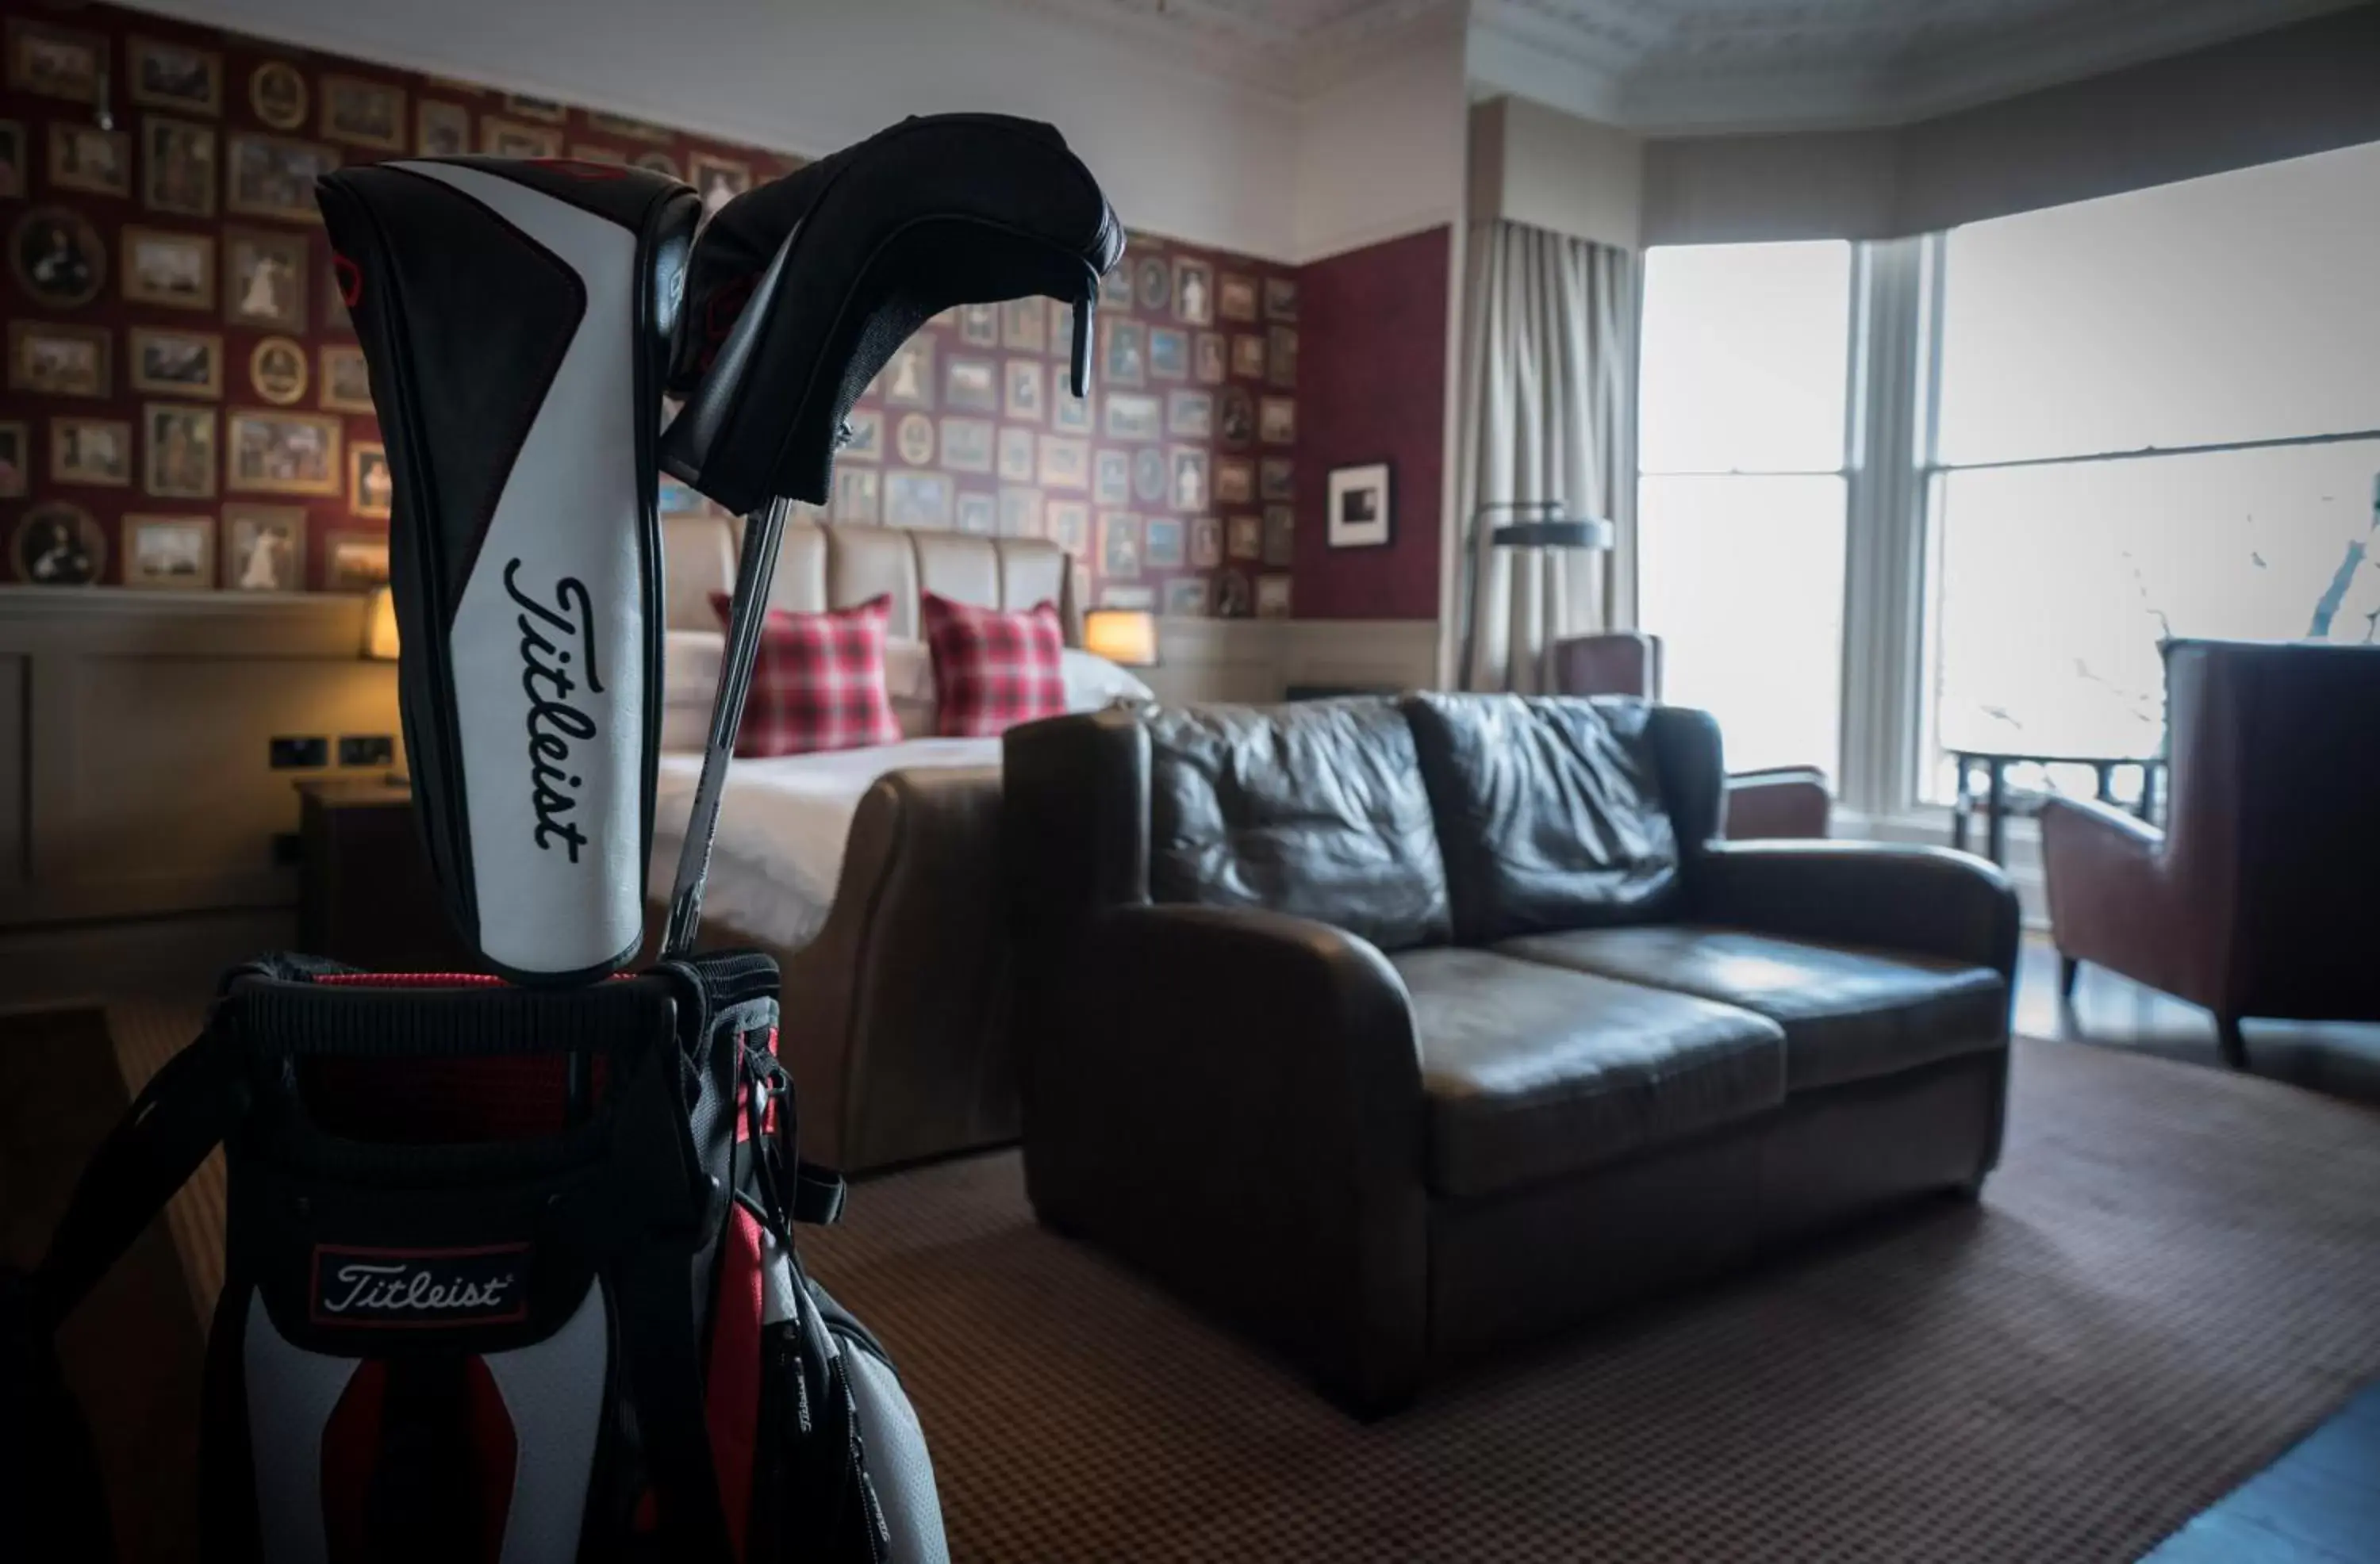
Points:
[(1232, 1099), (1926, 901), (2103, 870), (1781, 803)]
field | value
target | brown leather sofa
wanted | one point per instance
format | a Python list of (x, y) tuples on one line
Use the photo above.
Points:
[(1396, 1030), (2257, 898)]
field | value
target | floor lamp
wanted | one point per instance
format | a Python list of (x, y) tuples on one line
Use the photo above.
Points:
[(1547, 527)]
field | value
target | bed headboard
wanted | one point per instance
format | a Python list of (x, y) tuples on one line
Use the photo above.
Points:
[(825, 566)]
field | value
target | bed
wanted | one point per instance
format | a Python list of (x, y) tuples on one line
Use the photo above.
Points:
[(870, 874)]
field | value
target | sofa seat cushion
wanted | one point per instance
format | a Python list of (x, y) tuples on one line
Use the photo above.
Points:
[(1849, 1014), (1531, 1071)]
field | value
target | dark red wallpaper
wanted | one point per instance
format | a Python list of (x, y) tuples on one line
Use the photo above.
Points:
[(209, 168), (1373, 385)]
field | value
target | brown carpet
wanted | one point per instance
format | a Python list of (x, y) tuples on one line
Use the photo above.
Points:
[(2174, 1273)]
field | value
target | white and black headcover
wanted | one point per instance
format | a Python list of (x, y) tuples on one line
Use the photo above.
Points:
[(517, 318)]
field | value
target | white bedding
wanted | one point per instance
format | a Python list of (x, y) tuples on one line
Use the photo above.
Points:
[(782, 824)]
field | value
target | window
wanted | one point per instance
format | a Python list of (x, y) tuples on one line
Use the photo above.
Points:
[(1741, 490), (2159, 416)]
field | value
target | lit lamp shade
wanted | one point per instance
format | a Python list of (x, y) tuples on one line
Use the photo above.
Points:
[(1126, 636), (379, 625)]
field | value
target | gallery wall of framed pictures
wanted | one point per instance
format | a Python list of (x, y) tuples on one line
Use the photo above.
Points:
[(184, 403)]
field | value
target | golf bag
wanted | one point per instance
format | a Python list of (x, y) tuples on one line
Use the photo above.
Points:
[(510, 1263)]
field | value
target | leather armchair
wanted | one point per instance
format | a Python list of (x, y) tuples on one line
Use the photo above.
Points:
[(1775, 802), (2255, 901)]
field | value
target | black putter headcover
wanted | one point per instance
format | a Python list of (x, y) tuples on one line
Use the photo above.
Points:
[(800, 290), (518, 321)]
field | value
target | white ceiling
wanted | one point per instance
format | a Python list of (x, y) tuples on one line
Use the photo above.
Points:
[(1712, 64)]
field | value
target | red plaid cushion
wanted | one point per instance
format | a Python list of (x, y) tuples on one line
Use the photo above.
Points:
[(992, 669), (818, 682)]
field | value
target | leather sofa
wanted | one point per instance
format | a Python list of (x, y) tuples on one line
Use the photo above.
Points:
[(1397, 1030)]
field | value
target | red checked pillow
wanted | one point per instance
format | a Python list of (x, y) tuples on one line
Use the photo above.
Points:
[(994, 669), (818, 682)]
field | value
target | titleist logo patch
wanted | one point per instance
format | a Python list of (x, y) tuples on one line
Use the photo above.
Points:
[(420, 1287), (557, 651)]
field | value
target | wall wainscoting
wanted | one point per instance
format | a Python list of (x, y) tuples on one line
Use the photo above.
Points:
[(1261, 660)]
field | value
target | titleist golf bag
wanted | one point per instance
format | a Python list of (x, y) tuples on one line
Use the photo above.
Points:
[(510, 1270)]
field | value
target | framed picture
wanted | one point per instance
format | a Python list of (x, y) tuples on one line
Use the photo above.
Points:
[(175, 76), (1244, 537), (1247, 355), (968, 444), (510, 137), (1150, 478), (1066, 463), (1358, 507), (1023, 393), (1274, 478), (1069, 414), (273, 176), (979, 325), (659, 163), (1233, 597), (346, 381), (58, 256), (441, 129), (1189, 415), (1281, 356), (1280, 535), (56, 544), (354, 562), (264, 548), (1069, 526), (1186, 597), (1020, 512), (1162, 546), (276, 91), (913, 439), (1272, 597), (971, 385), (1193, 292), (1119, 544), (1277, 421), (84, 157), (55, 62), (14, 473), (1235, 480), (977, 514), (1235, 297), (180, 451), (856, 493), (90, 450), (1211, 362), (1023, 324), (1128, 597), (1126, 361), (277, 371), (371, 491), (175, 363), (1115, 286), (1133, 414), (1017, 455), (57, 361), (867, 442), (1152, 283), (1205, 542), (363, 114), (635, 129), (335, 304), (170, 553), (545, 111), (1280, 299), (264, 280), (178, 167), (719, 180), (12, 160), (174, 270), (919, 499), (273, 452), (909, 375), (1111, 476), (1186, 471), (1169, 353)]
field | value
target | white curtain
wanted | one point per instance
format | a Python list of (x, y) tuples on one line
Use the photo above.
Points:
[(1547, 360)]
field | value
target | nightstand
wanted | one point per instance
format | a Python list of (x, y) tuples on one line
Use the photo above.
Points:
[(366, 893)]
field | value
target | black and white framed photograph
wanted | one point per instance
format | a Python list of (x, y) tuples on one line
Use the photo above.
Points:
[(1359, 510), (909, 377), (83, 157), (1023, 324), (978, 515), (968, 444), (90, 450), (1017, 455), (979, 325), (175, 76), (1186, 597), (273, 176), (1235, 480), (1118, 545), (283, 453), (58, 256), (179, 459), (867, 442), (365, 113), (1126, 358), (177, 363), (56, 544), (57, 359), (858, 494), (1111, 476), (371, 491), (264, 548), (1070, 526), (510, 137), (345, 379), (354, 562), (1133, 414), (970, 385), (170, 553), (719, 180), (1023, 389), (1193, 292), (176, 270), (1272, 597), (177, 172), (1021, 512), (264, 280), (1066, 463), (1205, 542), (919, 499), (56, 62), (440, 129)]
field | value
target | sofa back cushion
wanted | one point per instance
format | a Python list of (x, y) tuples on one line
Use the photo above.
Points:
[(1316, 808), (1549, 811)]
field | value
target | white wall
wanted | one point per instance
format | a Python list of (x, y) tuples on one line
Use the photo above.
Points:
[(1554, 171), (1181, 151), (1381, 141)]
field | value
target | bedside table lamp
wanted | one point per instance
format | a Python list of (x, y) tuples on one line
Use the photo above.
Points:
[(1125, 637), (379, 625), (1546, 524)]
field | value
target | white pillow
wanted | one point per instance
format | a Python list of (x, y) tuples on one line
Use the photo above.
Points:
[(1093, 681)]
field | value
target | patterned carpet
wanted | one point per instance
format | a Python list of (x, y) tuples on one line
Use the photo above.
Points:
[(2174, 1273)]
